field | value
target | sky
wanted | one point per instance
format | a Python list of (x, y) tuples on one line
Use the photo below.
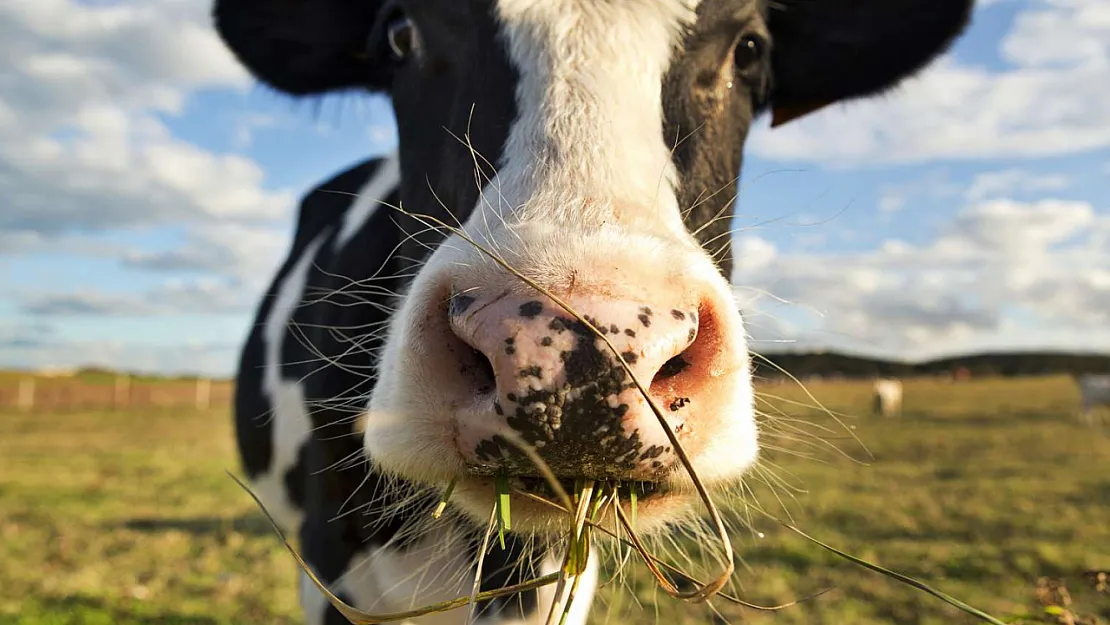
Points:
[(148, 187)]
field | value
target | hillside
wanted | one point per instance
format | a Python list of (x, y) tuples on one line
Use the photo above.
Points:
[(828, 363)]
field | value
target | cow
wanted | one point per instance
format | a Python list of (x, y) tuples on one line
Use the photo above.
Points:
[(887, 397), (577, 153), (1094, 391)]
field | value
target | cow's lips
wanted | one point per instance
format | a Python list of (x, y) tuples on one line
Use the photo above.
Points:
[(536, 508), (538, 486)]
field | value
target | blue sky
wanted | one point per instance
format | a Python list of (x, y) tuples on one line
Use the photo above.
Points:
[(150, 185)]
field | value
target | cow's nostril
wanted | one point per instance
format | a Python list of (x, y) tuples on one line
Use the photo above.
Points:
[(680, 377), (671, 368), (483, 372)]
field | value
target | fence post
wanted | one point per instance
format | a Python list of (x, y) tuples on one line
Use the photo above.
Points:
[(25, 395), (204, 393), (121, 392)]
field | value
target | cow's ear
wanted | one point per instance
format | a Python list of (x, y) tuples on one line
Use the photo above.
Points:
[(827, 51), (304, 46)]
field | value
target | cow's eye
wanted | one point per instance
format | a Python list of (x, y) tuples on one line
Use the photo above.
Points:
[(401, 34), (748, 52)]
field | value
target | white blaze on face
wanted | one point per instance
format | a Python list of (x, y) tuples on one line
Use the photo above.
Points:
[(588, 137)]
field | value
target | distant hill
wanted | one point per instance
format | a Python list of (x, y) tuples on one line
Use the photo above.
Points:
[(829, 363), (799, 364)]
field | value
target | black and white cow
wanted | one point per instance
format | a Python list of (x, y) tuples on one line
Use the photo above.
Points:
[(592, 144)]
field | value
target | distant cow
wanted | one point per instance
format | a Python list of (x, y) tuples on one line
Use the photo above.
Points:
[(888, 397), (1094, 390)]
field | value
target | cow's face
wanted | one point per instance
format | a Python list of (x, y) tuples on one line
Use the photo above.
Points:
[(592, 147)]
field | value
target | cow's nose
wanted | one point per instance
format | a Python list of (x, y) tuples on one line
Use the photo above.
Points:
[(553, 382)]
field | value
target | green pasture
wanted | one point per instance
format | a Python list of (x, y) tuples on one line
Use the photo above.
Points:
[(990, 490)]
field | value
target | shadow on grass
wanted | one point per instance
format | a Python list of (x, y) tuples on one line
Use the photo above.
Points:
[(85, 609), (253, 525)]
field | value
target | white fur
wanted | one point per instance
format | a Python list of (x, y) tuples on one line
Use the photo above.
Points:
[(370, 197), (888, 397), (290, 422), (588, 100), (388, 579), (1094, 390)]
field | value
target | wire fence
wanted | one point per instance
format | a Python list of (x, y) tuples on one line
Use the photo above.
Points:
[(36, 394)]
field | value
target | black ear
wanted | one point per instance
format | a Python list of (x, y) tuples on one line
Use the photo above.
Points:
[(826, 51), (302, 46)]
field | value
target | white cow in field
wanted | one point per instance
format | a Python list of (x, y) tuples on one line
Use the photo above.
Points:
[(1094, 390), (888, 397)]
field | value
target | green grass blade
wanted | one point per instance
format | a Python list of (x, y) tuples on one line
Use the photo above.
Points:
[(632, 504), (443, 500), (572, 556), (504, 519)]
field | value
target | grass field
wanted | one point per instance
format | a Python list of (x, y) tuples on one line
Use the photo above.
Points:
[(980, 489)]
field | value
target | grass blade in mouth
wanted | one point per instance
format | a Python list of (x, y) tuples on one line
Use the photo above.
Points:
[(632, 504), (443, 500), (579, 548), (577, 555), (504, 520), (476, 587)]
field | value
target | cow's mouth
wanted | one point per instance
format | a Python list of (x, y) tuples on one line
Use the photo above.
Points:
[(626, 490), (536, 507)]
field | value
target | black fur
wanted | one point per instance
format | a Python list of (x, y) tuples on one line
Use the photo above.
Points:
[(832, 50), (302, 46)]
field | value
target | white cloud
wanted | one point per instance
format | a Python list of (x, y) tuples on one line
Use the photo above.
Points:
[(246, 255), (86, 149), (1010, 181), (173, 297), (960, 291), (81, 145), (250, 123), (1063, 33), (1017, 230), (752, 253), (137, 55), (934, 184), (891, 202), (1050, 102)]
